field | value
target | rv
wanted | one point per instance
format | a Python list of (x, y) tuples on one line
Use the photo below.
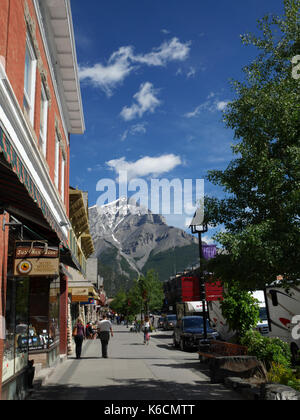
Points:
[(283, 307), (217, 319)]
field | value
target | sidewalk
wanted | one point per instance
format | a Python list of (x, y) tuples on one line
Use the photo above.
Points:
[(133, 371)]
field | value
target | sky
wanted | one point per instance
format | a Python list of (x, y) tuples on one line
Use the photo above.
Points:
[(155, 80)]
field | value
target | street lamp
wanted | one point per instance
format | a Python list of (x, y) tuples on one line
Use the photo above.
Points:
[(198, 226)]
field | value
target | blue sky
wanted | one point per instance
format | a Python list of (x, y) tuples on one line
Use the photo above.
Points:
[(154, 80)]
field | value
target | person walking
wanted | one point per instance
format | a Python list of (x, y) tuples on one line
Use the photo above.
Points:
[(104, 328), (78, 334), (147, 329)]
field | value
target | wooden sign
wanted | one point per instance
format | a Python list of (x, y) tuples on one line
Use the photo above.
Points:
[(35, 258), (80, 294)]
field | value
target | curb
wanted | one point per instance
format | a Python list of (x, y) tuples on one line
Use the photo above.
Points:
[(264, 392), (247, 390)]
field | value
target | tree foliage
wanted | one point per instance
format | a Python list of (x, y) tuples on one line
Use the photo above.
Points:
[(261, 207), (146, 295), (240, 310)]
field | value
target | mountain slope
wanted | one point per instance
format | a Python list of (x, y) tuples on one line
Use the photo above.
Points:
[(129, 240)]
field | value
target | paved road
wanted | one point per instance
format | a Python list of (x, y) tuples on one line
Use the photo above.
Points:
[(133, 371)]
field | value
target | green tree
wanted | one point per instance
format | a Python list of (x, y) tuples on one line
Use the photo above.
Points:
[(240, 310), (150, 292), (119, 304), (261, 205)]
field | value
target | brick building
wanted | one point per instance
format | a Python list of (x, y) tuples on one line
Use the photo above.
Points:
[(40, 107)]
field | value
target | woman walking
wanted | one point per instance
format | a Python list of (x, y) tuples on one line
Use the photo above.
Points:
[(78, 334), (147, 329)]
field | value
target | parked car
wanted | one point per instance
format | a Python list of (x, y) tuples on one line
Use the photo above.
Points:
[(189, 330), (160, 322), (170, 322)]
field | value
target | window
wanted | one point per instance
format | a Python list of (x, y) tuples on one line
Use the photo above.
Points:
[(43, 121), (62, 181), (29, 79), (56, 168), (15, 357)]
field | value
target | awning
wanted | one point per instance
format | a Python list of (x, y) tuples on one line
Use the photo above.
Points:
[(68, 258)]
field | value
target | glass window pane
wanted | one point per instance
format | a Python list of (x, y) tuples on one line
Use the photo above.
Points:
[(22, 313), (54, 312), (9, 343), (39, 312), (27, 73)]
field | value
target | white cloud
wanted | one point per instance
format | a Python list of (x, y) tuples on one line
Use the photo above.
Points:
[(208, 240), (194, 113), (191, 72), (145, 166), (222, 105), (134, 130), (108, 77), (210, 105), (124, 61), (146, 101), (172, 50)]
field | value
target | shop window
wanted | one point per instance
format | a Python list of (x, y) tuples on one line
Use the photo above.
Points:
[(54, 312), (15, 356), (44, 314), (38, 316)]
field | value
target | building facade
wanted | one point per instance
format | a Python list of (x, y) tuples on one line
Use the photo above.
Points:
[(40, 107), (82, 293)]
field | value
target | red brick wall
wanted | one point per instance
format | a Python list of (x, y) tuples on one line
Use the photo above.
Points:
[(12, 48), (3, 26), (3, 276)]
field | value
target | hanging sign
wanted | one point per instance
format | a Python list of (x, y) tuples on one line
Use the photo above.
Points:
[(35, 258)]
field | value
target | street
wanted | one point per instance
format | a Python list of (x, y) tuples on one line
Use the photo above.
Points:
[(133, 371)]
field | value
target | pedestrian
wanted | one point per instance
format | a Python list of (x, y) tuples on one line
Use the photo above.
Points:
[(104, 328), (90, 333), (147, 329), (78, 334)]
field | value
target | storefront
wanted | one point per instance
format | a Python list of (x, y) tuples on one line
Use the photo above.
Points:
[(31, 306)]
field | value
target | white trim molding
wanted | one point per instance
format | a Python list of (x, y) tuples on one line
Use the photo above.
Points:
[(56, 27)]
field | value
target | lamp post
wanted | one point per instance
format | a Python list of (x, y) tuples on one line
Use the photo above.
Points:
[(199, 227)]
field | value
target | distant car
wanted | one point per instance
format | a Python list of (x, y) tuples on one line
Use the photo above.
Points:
[(169, 322), (160, 322), (190, 330)]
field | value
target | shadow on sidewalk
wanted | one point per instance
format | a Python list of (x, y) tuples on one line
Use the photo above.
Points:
[(137, 390)]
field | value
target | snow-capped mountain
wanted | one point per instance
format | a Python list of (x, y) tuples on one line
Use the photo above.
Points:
[(129, 239)]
